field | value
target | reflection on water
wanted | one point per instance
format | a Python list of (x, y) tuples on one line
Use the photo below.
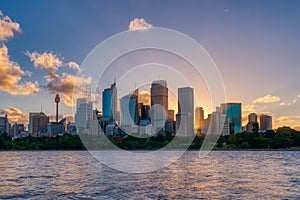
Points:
[(221, 175)]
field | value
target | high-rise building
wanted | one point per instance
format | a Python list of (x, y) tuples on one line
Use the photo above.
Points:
[(219, 124), (186, 109), (234, 113), (4, 124), (252, 125), (199, 117), (171, 115), (110, 103), (83, 116), (129, 110), (37, 122), (159, 104), (265, 122)]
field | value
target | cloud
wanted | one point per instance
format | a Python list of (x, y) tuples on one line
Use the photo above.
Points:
[(15, 115), (47, 61), (284, 119), (248, 108), (64, 83), (139, 25), (11, 75), (267, 99), (8, 28), (73, 65), (288, 104), (144, 97), (67, 84)]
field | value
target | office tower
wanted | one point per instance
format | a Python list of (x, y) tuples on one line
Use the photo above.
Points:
[(159, 104), (205, 124), (252, 125), (186, 110), (83, 116), (110, 103), (234, 113), (129, 110), (4, 124), (199, 117), (219, 124), (265, 122), (37, 122)]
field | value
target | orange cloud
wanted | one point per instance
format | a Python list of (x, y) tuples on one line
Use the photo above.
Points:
[(267, 99), (65, 83), (139, 25), (11, 75), (15, 115), (7, 27), (284, 119), (144, 97)]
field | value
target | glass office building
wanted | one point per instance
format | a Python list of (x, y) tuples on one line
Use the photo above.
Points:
[(234, 113)]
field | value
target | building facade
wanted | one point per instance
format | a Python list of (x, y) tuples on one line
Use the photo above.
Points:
[(234, 113)]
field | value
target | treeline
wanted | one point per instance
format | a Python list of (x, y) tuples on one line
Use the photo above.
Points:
[(282, 138), (65, 142)]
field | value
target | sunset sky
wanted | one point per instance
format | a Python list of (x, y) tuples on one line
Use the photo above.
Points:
[(255, 44)]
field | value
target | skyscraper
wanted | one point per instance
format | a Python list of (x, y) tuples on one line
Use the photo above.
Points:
[(186, 109), (37, 122), (129, 110), (265, 122), (110, 102), (83, 116), (234, 113), (199, 117), (4, 124), (159, 103), (252, 125)]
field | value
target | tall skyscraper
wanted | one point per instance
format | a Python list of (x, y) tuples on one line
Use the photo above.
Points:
[(186, 109), (129, 110), (110, 102), (37, 122), (265, 122), (159, 103), (234, 113), (83, 116), (199, 117)]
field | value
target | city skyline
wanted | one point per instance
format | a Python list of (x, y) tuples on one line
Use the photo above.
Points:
[(258, 62)]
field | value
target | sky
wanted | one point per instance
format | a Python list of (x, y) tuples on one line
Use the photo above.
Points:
[(255, 45)]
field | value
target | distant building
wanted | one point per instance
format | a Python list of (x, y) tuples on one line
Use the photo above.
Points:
[(252, 125), (183, 127), (37, 122), (4, 124), (110, 103), (129, 110), (199, 117), (16, 129), (71, 128), (186, 110), (56, 128), (219, 124), (83, 116), (159, 104), (265, 122), (234, 113)]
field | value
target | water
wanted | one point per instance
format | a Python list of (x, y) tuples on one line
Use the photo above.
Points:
[(221, 175)]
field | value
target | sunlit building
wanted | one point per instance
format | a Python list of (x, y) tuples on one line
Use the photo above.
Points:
[(83, 116), (265, 122), (186, 110), (37, 122), (199, 117), (159, 104), (129, 110)]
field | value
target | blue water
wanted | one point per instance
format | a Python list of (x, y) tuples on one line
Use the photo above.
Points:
[(221, 175)]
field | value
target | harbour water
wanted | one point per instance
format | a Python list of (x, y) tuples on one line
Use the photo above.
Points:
[(220, 175)]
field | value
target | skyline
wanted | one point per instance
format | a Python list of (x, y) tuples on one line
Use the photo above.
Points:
[(255, 46)]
